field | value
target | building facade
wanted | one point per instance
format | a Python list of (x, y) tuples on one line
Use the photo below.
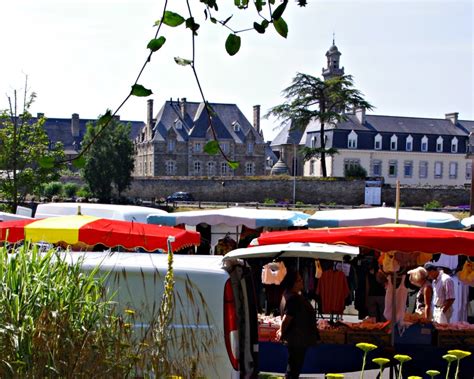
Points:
[(172, 143)]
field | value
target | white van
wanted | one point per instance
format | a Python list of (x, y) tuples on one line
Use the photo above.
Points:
[(110, 211), (214, 302)]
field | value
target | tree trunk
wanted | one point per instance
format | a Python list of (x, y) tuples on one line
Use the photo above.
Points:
[(323, 152)]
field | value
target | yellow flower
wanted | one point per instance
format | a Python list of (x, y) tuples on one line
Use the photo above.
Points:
[(459, 354), (381, 361), (334, 376), (402, 358), (450, 357), (127, 325), (433, 373), (366, 347), (130, 311), (415, 377)]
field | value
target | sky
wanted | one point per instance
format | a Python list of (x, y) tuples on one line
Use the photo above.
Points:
[(408, 57)]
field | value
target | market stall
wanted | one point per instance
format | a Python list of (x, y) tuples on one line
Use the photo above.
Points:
[(224, 229), (408, 334)]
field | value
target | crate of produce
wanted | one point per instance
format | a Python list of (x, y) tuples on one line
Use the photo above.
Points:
[(416, 334), (267, 333), (455, 338), (375, 336), (333, 336)]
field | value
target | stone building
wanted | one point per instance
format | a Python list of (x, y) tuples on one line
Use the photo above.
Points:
[(172, 143)]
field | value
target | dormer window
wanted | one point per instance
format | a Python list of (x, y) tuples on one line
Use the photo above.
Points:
[(424, 143), (197, 147), (314, 140), (409, 143), (352, 140), (439, 144), (394, 142), (378, 142), (178, 124), (454, 145), (236, 126)]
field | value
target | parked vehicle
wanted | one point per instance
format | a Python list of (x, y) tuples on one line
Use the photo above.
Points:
[(111, 211), (214, 298), (180, 196)]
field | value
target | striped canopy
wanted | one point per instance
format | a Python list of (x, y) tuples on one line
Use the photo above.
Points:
[(89, 230)]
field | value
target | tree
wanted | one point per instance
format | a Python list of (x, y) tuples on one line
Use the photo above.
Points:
[(109, 160), (24, 144), (324, 101)]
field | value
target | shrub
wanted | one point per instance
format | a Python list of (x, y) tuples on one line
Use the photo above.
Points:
[(433, 204), (70, 189), (52, 189), (356, 171), (84, 191), (268, 201)]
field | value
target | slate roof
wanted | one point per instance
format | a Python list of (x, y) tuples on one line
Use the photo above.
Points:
[(287, 136), (196, 124)]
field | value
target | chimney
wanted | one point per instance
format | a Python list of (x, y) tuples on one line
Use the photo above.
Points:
[(453, 117), (182, 107), (39, 115), (75, 125), (360, 114), (117, 117), (149, 112), (256, 117)]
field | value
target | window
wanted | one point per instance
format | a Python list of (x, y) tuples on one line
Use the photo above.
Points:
[(314, 141), (350, 163), (269, 162), (178, 124), (454, 145), (224, 168), (170, 167), (352, 140), (438, 170), (468, 170), (224, 147), (236, 126), (453, 170), (197, 147), (408, 169), (409, 143), (424, 143), (439, 145), (250, 146), (378, 142), (211, 168), (171, 145), (249, 168), (394, 142), (376, 168), (197, 168), (392, 168), (312, 172), (423, 170)]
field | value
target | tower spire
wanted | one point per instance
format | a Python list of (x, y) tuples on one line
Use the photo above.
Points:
[(333, 56), (333, 39)]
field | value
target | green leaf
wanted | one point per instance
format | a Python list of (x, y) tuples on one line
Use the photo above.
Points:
[(192, 25), (182, 61), (46, 162), (105, 119), (211, 148), (233, 165), (79, 162), (156, 43), (232, 44), (213, 20), (140, 91), (172, 19), (259, 5), (281, 27), (278, 12), (259, 28)]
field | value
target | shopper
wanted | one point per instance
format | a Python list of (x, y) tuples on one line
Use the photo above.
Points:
[(419, 277), (298, 327), (443, 293)]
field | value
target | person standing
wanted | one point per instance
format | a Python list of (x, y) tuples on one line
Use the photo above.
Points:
[(443, 293), (298, 327), (424, 296)]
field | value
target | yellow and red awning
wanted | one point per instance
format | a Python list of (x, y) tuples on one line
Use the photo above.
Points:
[(89, 230)]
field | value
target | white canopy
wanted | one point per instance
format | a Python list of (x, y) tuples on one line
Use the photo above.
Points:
[(382, 215), (295, 249), (4, 216), (468, 221), (252, 218)]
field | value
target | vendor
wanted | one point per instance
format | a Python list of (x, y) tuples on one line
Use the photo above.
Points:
[(443, 293), (419, 277)]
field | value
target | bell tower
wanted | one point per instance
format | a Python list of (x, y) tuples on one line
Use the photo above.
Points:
[(333, 68)]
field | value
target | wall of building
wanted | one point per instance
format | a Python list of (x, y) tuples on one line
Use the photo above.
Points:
[(307, 190)]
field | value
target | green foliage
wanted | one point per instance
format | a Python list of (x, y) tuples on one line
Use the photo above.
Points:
[(140, 91), (355, 171), (24, 145), (212, 147), (70, 189), (268, 201), (281, 27), (52, 189), (84, 192), (232, 44), (156, 43), (109, 161), (433, 204)]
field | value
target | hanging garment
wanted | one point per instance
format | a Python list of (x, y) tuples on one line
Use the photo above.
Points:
[(461, 300), (422, 258), (447, 261), (390, 264), (333, 289), (401, 294), (466, 275), (406, 259), (273, 273), (319, 269), (224, 245)]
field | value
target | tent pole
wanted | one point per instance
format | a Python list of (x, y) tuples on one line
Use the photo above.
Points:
[(397, 201)]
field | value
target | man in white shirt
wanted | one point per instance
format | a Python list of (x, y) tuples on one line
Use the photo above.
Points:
[(443, 293)]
